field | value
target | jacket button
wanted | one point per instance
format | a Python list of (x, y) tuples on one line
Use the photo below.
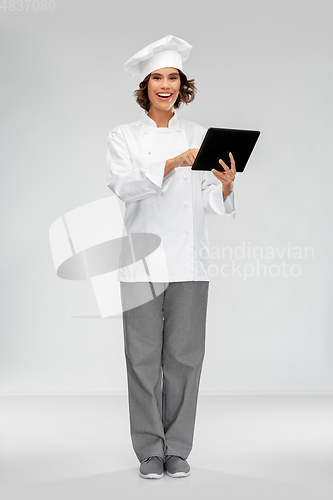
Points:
[(185, 204), (152, 204), (149, 152), (184, 176), (145, 132), (187, 231)]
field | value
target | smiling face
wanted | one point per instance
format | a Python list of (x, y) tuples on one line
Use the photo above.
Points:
[(163, 88)]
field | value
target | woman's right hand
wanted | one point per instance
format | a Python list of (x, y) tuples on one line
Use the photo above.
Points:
[(183, 160), (186, 159)]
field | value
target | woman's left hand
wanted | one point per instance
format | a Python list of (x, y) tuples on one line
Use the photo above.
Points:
[(227, 177)]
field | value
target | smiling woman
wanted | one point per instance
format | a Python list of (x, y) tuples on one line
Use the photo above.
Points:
[(186, 92), (164, 296)]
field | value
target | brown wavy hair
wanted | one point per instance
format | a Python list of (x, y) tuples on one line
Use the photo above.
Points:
[(186, 95)]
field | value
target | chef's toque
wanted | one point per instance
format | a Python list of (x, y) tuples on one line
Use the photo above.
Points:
[(168, 52)]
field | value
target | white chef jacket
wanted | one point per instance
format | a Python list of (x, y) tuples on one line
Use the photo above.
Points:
[(173, 207)]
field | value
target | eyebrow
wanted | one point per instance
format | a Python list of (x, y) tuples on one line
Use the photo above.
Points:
[(159, 74)]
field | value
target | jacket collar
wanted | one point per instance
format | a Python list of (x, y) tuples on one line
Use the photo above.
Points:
[(148, 121)]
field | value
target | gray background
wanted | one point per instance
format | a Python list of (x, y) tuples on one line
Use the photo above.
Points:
[(260, 65)]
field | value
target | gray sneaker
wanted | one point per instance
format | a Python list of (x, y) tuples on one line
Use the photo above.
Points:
[(152, 468), (176, 466)]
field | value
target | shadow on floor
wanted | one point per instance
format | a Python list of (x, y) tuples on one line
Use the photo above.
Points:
[(201, 484)]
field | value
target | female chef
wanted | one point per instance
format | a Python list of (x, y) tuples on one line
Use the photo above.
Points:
[(164, 295)]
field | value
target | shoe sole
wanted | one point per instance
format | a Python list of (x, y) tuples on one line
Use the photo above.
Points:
[(178, 474), (152, 475)]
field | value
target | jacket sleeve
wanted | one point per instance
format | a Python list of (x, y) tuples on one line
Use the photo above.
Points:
[(126, 181), (213, 197)]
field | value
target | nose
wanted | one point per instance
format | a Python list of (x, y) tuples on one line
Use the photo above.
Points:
[(165, 84)]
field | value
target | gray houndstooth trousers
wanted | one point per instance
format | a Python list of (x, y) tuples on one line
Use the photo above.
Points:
[(164, 343)]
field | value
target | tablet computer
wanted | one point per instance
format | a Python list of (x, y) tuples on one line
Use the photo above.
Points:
[(218, 142)]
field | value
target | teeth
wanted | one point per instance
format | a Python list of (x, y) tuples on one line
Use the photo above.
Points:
[(164, 95)]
